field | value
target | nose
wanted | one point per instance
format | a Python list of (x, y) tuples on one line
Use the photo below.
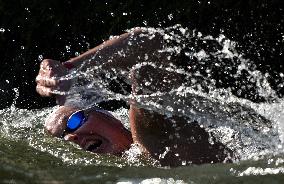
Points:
[(71, 137)]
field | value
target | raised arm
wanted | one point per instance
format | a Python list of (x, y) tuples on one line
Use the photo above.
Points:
[(119, 53), (124, 51)]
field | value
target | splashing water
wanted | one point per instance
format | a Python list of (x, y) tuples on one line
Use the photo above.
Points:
[(254, 131), (231, 120)]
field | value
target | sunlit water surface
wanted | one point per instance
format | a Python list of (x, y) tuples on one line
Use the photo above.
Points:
[(254, 131)]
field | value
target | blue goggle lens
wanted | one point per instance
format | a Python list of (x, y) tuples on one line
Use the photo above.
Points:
[(76, 120)]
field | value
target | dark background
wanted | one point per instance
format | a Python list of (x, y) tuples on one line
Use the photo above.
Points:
[(36, 29)]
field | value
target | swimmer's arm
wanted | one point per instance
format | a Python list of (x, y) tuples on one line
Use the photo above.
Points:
[(122, 52), (90, 54)]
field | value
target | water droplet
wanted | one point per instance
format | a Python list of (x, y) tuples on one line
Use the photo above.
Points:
[(68, 47), (40, 57), (170, 16)]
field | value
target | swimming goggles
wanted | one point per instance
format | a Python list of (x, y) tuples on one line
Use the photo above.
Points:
[(79, 118), (75, 121)]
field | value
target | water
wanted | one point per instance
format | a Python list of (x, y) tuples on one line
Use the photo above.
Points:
[(255, 131)]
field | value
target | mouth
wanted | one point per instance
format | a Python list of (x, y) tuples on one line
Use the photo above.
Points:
[(93, 145)]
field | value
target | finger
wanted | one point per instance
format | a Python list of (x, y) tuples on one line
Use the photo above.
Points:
[(44, 91), (44, 74), (51, 67), (46, 66), (47, 81), (46, 63)]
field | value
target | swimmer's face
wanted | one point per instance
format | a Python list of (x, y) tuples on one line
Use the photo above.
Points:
[(100, 133)]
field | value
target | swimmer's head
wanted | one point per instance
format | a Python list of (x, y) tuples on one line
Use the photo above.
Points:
[(100, 133)]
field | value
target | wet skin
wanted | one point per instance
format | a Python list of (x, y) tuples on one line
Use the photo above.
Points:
[(99, 134), (153, 132)]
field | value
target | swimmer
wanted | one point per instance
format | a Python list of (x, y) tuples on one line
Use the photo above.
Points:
[(92, 129), (172, 141)]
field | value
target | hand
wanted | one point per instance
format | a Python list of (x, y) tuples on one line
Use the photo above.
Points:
[(48, 79)]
